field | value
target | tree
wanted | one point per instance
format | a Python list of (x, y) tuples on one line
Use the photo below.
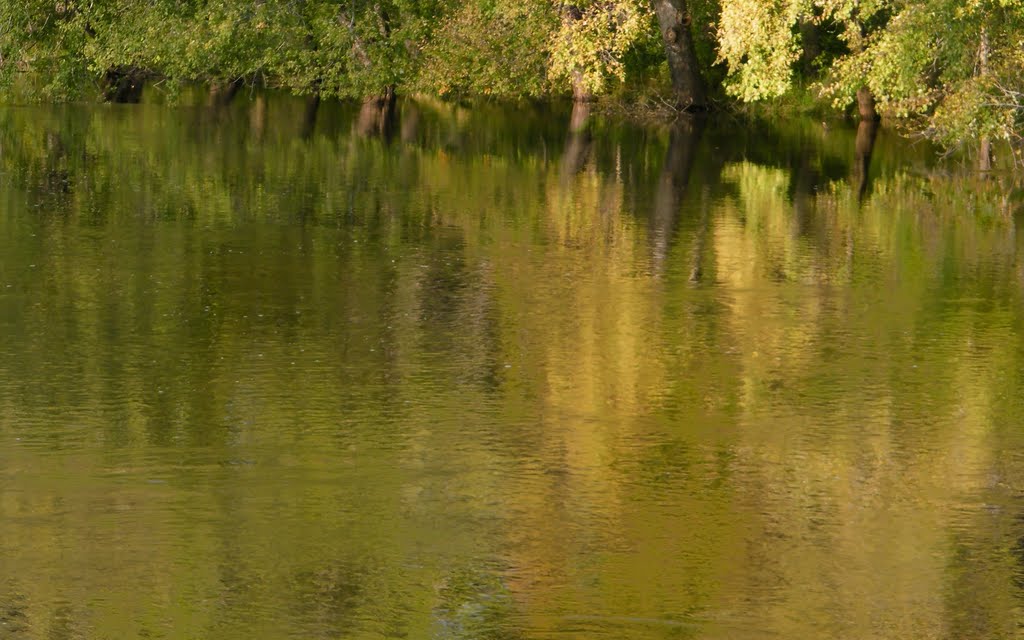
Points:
[(497, 48), (47, 38), (687, 84), (762, 41), (950, 68), (593, 37)]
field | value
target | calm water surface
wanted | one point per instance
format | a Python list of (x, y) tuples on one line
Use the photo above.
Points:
[(479, 378)]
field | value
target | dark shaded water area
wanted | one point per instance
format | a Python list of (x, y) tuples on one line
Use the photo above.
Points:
[(468, 374)]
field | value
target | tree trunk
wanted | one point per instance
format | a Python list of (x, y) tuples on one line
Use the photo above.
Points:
[(571, 13), (579, 92), (810, 38), (866, 104), (687, 84)]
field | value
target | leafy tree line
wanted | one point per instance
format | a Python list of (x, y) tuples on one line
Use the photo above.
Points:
[(950, 67)]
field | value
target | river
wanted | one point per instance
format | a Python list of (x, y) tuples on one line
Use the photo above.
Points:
[(470, 375)]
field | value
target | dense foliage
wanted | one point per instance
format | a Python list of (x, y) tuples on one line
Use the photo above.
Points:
[(950, 67)]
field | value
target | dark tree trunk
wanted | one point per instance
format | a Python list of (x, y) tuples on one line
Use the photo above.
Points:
[(866, 104), (577, 145), (309, 115), (867, 130), (122, 85), (810, 38), (674, 20), (675, 175)]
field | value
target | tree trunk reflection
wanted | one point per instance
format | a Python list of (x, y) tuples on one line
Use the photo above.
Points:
[(867, 130), (377, 115), (258, 117), (309, 115), (675, 174), (577, 145)]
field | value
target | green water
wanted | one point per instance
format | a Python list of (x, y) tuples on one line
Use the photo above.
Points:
[(479, 378)]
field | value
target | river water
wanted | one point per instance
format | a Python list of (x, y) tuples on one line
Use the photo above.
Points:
[(471, 376)]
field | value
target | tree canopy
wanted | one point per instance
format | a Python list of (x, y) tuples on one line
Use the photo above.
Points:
[(949, 67)]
